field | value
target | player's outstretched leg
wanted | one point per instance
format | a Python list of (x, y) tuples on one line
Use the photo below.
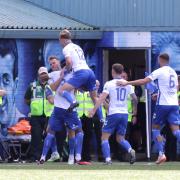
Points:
[(159, 142)]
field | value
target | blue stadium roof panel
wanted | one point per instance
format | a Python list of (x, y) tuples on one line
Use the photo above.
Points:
[(20, 14)]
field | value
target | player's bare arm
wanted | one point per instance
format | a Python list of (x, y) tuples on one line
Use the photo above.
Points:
[(99, 102), (134, 83)]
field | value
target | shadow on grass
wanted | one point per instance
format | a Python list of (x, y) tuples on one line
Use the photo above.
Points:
[(95, 166)]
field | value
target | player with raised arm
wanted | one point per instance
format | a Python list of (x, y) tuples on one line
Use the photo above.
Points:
[(167, 108), (83, 76), (117, 118)]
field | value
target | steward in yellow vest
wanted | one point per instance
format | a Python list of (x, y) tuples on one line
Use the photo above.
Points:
[(131, 114), (85, 104), (132, 118), (39, 97), (130, 109), (39, 104)]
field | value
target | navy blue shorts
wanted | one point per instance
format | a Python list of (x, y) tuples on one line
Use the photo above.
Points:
[(165, 114), (83, 78), (72, 121), (61, 117), (116, 122), (56, 121)]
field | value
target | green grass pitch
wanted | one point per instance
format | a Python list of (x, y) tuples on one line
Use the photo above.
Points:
[(118, 170)]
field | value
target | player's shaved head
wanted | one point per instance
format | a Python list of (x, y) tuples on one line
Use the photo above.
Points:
[(65, 34), (118, 68)]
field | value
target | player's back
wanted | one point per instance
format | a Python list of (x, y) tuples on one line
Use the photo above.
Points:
[(118, 96), (77, 56), (167, 83)]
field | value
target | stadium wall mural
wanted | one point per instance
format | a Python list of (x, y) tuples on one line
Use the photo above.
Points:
[(20, 60), (168, 42), (19, 63)]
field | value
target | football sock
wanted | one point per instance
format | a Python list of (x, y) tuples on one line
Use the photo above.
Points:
[(159, 144), (105, 149), (125, 144), (53, 145), (67, 96), (47, 144), (79, 141), (71, 146)]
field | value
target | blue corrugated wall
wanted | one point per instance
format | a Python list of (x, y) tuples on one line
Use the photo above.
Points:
[(118, 13)]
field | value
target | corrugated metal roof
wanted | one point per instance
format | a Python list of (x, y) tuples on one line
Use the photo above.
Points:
[(19, 14), (123, 15)]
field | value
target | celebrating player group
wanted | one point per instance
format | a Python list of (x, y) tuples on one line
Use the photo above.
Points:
[(76, 75)]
